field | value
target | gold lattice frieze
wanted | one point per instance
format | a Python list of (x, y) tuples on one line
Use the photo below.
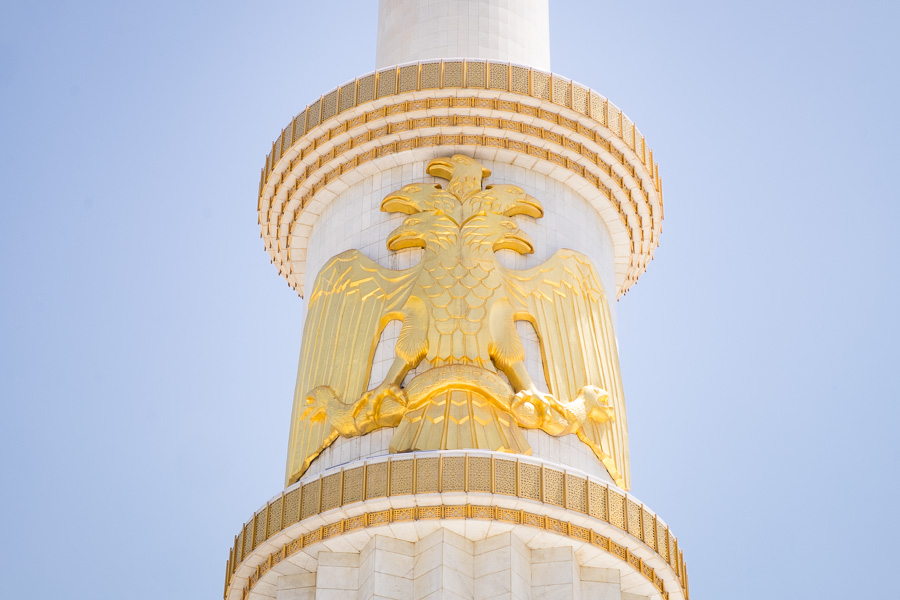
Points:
[(616, 167), (594, 140), (428, 473)]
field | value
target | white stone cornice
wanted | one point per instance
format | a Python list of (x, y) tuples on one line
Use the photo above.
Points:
[(409, 496), (414, 112)]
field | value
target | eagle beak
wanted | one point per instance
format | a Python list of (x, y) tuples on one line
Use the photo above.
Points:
[(527, 206), (517, 240), (404, 237), (444, 167), (399, 203), (440, 167)]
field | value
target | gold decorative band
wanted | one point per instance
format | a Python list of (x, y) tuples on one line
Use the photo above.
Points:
[(460, 74), (634, 209), (612, 154), (429, 473)]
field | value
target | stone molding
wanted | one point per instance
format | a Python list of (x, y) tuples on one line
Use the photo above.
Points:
[(497, 106), (421, 486), (442, 563)]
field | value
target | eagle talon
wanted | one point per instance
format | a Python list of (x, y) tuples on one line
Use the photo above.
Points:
[(534, 409), (596, 404), (526, 408), (318, 401), (383, 406)]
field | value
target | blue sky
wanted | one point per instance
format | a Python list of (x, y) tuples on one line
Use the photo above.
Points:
[(148, 350)]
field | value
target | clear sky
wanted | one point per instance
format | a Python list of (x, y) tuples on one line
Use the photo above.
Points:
[(148, 349)]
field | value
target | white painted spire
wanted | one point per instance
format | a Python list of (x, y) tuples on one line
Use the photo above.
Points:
[(515, 31)]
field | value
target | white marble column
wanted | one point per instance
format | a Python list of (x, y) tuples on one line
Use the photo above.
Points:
[(515, 31)]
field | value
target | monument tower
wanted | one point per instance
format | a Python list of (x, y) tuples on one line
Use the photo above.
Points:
[(460, 224)]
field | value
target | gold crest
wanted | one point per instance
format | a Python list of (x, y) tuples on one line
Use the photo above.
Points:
[(458, 309)]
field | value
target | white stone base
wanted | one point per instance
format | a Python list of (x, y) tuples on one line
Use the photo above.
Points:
[(445, 564), (603, 542)]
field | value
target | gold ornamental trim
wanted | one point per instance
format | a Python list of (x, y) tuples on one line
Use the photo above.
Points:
[(586, 134), (634, 208), (432, 473)]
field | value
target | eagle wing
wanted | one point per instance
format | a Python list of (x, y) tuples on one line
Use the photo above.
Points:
[(565, 301), (351, 302)]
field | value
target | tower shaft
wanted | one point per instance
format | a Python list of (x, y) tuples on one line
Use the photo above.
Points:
[(500, 30), (459, 426)]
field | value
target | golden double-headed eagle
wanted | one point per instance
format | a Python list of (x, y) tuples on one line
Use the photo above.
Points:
[(458, 309)]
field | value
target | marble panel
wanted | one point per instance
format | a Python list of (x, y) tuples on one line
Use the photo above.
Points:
[(507, 30)]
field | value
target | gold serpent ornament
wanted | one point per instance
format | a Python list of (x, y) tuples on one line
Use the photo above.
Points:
[(458, 309)]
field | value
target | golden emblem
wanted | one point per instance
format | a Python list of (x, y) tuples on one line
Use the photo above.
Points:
[(458, 309)]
